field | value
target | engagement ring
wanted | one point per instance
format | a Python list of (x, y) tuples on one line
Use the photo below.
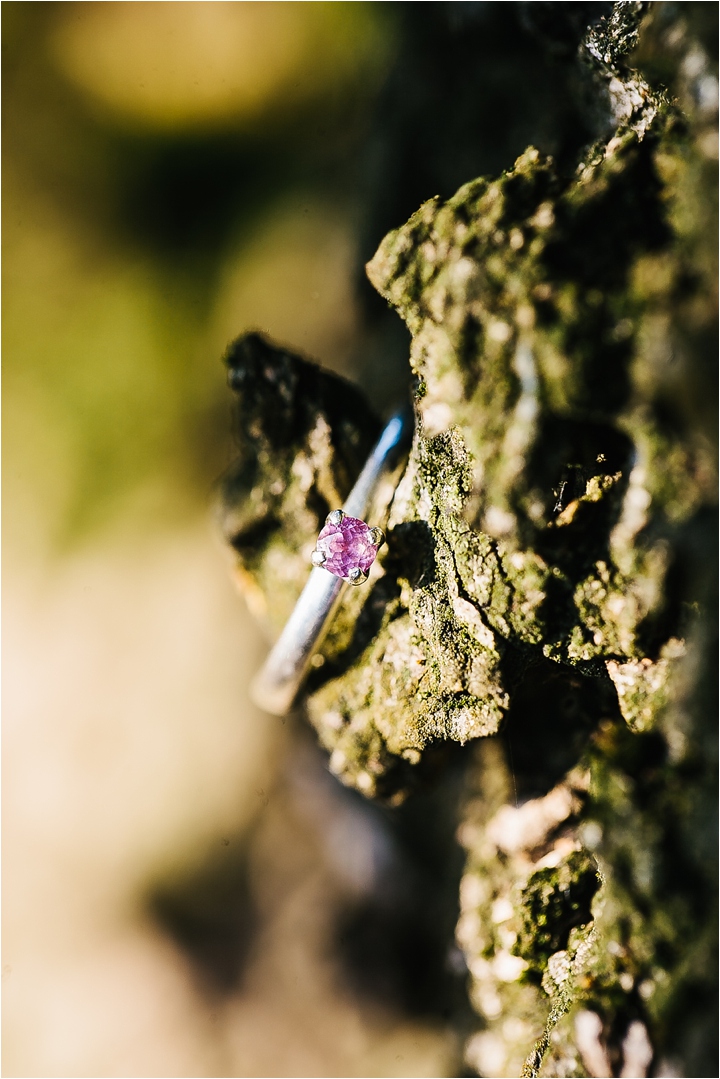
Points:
[(345, 550)]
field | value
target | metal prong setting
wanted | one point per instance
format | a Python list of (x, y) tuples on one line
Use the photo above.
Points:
[(318, 558), (356, 576), (377, 536), (335, 518)]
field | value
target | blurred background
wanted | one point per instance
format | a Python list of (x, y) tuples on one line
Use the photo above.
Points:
[(187, 891)]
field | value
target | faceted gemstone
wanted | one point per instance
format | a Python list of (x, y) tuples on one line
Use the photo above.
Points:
[(347, 546)]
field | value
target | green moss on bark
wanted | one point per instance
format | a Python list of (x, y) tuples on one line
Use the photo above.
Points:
[(547, 567)]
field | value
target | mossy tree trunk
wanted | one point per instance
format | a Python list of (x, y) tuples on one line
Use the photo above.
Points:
[(549, 572)]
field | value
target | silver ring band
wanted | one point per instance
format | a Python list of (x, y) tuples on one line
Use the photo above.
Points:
[(276, 686)]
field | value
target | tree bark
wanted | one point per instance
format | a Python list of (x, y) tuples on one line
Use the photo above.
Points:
[(547, 590)]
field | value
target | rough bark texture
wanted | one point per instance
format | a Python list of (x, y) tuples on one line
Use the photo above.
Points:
[(550, 562)]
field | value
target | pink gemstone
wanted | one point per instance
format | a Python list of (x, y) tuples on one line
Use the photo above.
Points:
[(347, 546)]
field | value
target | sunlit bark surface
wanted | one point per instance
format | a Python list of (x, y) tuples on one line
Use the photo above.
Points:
[(546, 593)]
